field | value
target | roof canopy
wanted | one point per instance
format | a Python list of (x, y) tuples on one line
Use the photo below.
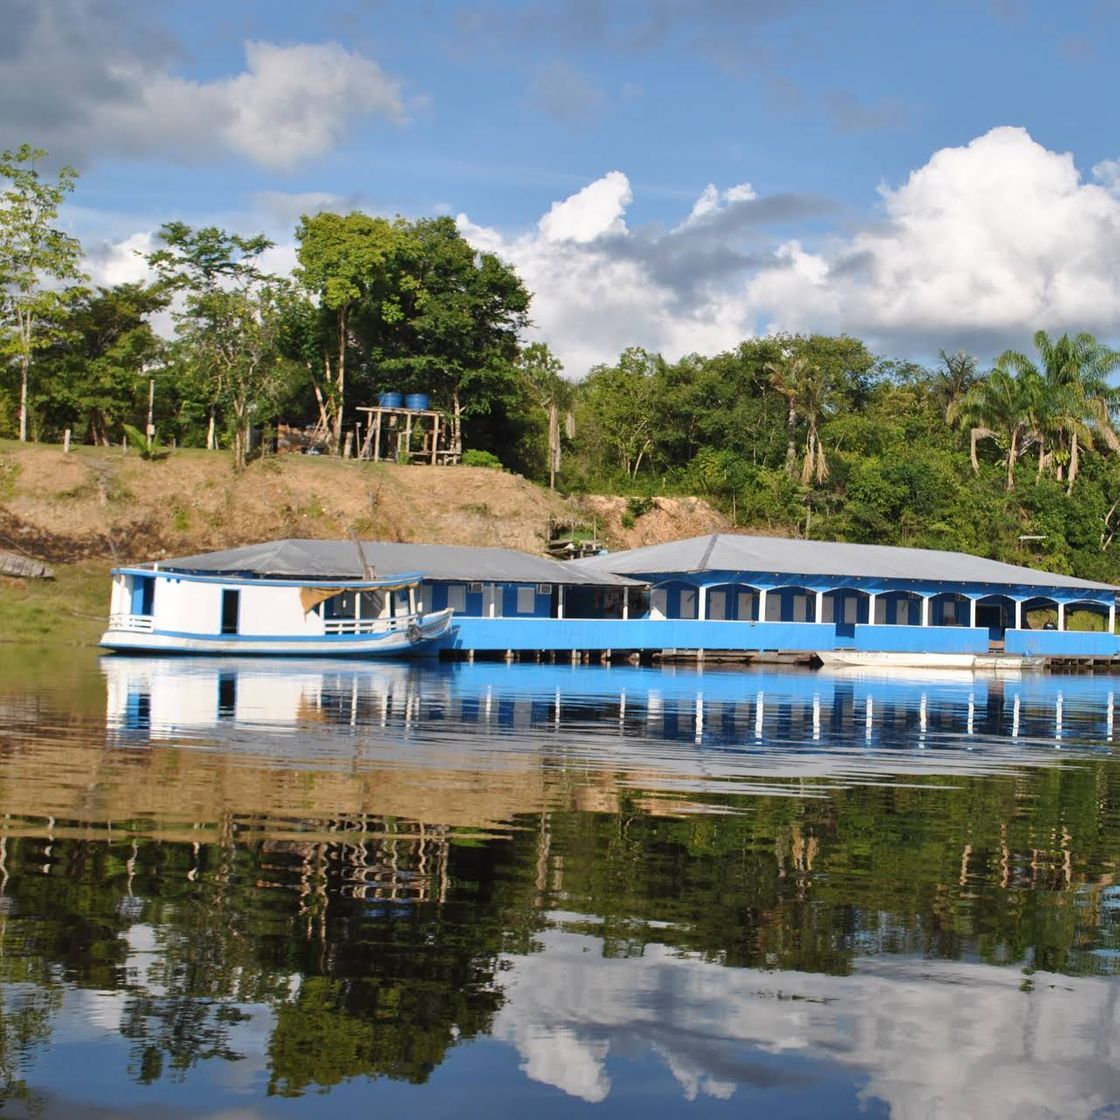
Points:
[(312, 560), (727, 552)]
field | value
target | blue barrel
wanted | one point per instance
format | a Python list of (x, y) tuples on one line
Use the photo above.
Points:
[(418, 402), (390, 400)]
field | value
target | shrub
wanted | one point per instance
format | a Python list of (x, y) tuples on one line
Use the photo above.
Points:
[(475, 458)]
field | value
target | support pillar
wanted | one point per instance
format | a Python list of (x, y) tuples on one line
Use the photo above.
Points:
[(1018, 614), (818, 614), (762, 604), (872, 600), (972, 612), (1061, 616), (1112, 617), (925, 610), (560, 601), (702, 602)]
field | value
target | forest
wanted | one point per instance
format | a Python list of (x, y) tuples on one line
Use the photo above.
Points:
[(1014, 456)]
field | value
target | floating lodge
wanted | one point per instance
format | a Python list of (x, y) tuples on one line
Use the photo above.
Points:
[(722, 594)]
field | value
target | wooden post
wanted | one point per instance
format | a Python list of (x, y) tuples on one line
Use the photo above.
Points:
[(435, 437), (407, 439), (346, 446), (66, 442), (375, 416)]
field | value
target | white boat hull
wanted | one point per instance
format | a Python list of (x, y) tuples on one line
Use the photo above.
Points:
[(985, 662), (402, 641)]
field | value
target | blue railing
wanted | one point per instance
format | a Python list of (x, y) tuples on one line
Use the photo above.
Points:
[(921, 639)]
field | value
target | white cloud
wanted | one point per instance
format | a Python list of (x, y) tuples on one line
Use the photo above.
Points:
[(289, 105), (591, 213), (984, 243), (87, 81), (979, 247)]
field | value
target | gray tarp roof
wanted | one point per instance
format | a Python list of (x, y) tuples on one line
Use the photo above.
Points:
[(302, 559), (728, 552)]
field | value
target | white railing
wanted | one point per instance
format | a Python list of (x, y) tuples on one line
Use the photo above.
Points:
[(137, 623), (366, 625)]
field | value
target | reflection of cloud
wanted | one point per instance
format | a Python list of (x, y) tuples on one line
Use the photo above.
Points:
[(931, 1037)]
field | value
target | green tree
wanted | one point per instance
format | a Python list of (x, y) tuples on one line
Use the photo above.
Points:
[(40, 265), (450, 324), (231, 321), (1072, 397), (543, 373), (998, 407), (94, 370), (808, 391), (345, 262)]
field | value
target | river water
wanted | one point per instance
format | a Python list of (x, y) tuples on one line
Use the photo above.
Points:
[(237, 889)]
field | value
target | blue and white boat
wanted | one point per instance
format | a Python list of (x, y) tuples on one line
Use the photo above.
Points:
[(178, 611)]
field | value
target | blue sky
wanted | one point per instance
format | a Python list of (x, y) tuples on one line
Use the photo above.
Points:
[(920, 174)]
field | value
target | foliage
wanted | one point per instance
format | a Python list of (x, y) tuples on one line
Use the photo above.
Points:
[(474, 457), (40, 265)]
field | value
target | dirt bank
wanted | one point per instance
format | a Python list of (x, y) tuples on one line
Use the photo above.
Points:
[(98, 503), (92, 507)]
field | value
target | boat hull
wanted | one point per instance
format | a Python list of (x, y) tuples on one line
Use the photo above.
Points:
[(416, 639), (984, 662)]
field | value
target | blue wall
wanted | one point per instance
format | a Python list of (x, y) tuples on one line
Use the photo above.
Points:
[(435, 599), (921, 639), (1062, 643), (642, 633)]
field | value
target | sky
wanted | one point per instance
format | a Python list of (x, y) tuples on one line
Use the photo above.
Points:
[(674, 174)]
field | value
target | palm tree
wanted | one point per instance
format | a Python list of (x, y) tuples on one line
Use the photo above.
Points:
[(997, 407), (1075, 401), (808, 393), (543, 374), (958, 376)]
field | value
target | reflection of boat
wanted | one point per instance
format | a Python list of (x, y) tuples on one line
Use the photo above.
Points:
[(156, 611), (975, 662)]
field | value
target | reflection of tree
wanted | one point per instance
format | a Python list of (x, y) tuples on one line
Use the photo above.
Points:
[(378, 943), (25, 1024)]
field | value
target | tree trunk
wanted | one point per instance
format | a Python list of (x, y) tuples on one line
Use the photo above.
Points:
[(1012, 456), (553, 443), (810, 457), (23, 369), (1074, 463), (340, 383), (211, 443), (456, 424), (791, 441)]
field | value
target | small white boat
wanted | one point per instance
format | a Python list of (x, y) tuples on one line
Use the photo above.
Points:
[(169, 611), (972, 662)]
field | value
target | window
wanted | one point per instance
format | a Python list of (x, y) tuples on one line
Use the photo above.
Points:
[(544, 588), (949, 612), (688, 603), (526, 600), (717, 604), (457, 597), (659, 602), (475, 588), (231, 610), (851, 609), (343, 605), (372, 604)]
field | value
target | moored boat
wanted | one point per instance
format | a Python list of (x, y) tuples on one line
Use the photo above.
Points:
[(881, 659), (172, 611)]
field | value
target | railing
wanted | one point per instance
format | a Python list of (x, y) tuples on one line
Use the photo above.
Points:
[(366, 625), (136, 623)]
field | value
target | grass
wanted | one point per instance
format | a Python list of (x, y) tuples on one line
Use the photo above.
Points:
[(70, 610)]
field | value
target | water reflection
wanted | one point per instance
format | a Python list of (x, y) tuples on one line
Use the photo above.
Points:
[(791, 892)]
